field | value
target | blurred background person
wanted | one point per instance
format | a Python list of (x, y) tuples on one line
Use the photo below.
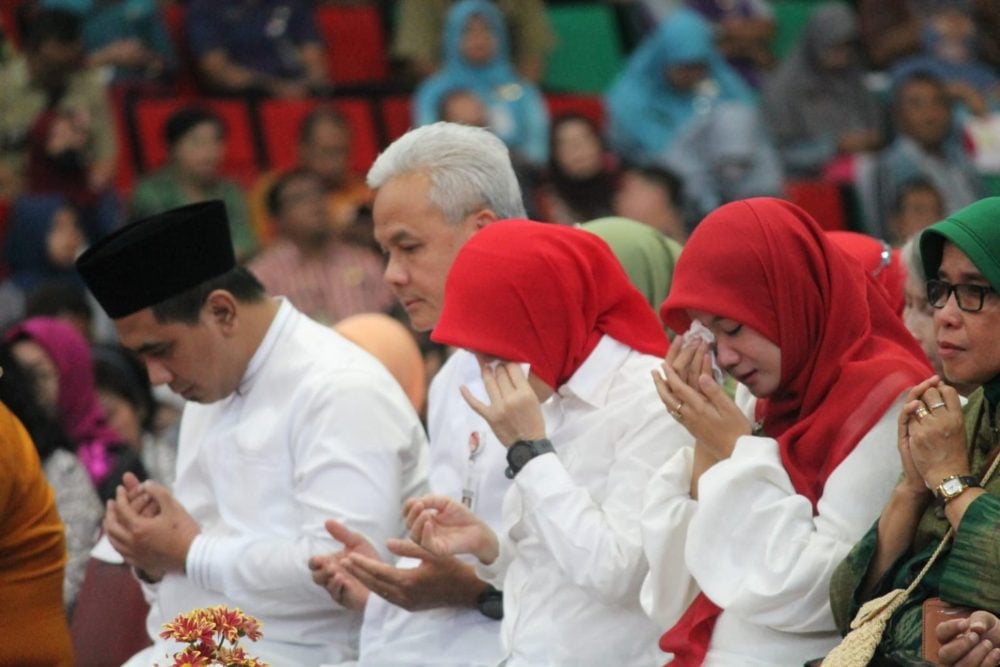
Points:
[(918, 205), (79, 506), (394, 345), (678, 104), (322, 276), (654, 197), (126, 397), (464, 107), (948, 50), (477, 58), (270, 47), (420, 25), (59, 359), (127, 37), (817, 105), (324, 147), (926, 145), (44, 240), (744, 31), (582, 176), (196, 140), (56, 128)]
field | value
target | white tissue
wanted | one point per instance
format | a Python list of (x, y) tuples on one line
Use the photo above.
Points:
[(698, 332)]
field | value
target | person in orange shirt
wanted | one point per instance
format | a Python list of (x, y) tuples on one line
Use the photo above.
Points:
[(324, 148), (32, 557)]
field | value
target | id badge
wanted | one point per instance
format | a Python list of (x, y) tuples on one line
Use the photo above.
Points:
[(470, 487)]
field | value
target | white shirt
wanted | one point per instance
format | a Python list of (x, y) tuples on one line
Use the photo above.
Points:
[(753, 545), (317, 430), (571, 562), (466, 462)]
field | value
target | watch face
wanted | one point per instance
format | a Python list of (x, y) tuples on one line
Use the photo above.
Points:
[(952, 487), (492, 606), (519, 455)]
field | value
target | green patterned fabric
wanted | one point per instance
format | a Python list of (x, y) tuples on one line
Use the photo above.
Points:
[(967, 573)]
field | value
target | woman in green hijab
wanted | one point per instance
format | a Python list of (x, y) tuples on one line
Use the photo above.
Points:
[(946, 451), (647, 255)]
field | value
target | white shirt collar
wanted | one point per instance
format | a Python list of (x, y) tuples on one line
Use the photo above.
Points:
[(274, 332), (592, 380)]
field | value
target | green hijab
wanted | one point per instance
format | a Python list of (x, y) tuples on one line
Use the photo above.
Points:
[(975, 230), (646, 254)]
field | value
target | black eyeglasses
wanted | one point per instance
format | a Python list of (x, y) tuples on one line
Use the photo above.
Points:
[(970, 298)]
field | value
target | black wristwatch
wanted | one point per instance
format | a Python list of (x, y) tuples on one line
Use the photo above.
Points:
[(523, 451), (490, 603)]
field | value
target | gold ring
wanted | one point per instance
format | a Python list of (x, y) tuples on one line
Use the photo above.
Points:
[(676, 412), (921, 412), (939, 404)]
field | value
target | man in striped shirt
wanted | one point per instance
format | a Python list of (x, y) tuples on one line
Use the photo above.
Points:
[(323, 277)]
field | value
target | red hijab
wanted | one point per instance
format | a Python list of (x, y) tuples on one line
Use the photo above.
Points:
[(882, 263), (845, 356), (545, 295)]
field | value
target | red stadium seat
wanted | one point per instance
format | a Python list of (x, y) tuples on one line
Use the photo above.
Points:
[(590, 106), (396, 116), (125, 162), (8, 20), (109, 620), (186, 77), (240, 161), (355, 44), (820, 199), (280, 121)]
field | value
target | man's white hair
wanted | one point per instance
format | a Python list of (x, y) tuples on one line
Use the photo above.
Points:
[(469, 168)]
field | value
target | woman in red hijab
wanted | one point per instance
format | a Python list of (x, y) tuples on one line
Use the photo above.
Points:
[(744, 530), (882, 262), (583, 428)]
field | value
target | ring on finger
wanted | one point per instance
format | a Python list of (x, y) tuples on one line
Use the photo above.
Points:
[(676, 412), (935, 406), (921, 412)]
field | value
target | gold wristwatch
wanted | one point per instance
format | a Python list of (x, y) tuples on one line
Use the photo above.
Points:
[(953, 486)]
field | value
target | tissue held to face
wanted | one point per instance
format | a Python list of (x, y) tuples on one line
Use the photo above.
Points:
[(752, 359)]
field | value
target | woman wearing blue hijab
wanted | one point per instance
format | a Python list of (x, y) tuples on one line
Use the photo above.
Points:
[(43, 241), (679, 105), (477, 60)]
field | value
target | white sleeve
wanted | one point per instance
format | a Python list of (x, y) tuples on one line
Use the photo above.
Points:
[(667, 510), (358, 453), (495, 572), (599, 545), (754, 545)]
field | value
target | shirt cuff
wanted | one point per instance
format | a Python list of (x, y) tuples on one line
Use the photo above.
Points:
[(495, 572), (210, 559)]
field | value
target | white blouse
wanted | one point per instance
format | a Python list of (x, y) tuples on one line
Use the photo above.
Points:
[(754, 546), (571, 562)]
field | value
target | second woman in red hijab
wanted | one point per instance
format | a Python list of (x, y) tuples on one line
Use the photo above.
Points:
[(743, 531)]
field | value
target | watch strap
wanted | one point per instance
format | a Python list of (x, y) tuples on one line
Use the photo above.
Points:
[(967, 481)]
